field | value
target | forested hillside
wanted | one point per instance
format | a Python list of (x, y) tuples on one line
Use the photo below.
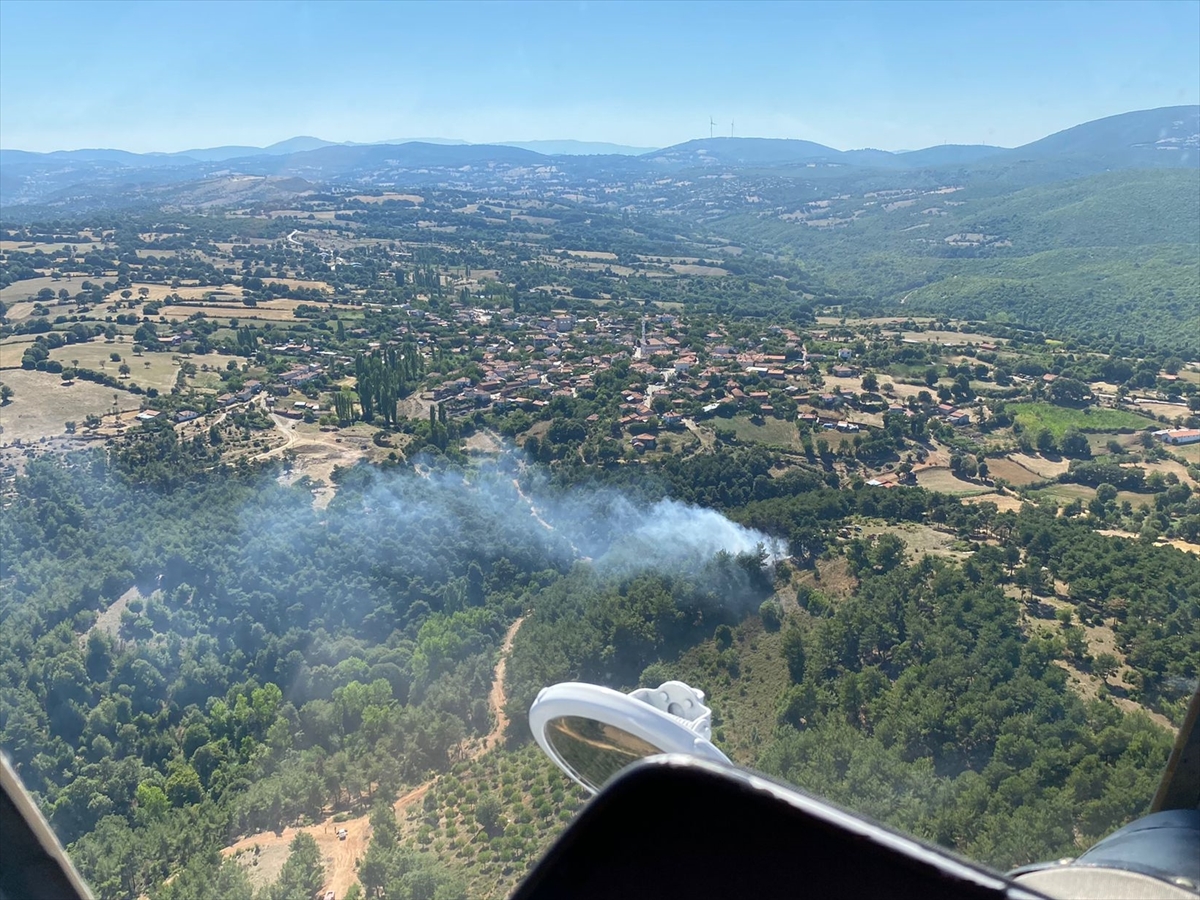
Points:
[(1113, 253)]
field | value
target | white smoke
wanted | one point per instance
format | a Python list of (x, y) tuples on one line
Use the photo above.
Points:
[(599, 524)]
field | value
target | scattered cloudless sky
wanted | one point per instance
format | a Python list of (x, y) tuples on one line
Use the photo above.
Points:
[(169, 76)]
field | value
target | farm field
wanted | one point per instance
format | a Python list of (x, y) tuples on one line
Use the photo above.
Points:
[(41, 404), (940, 478), (263, 312), (773, 432), (1040, 465), (1065, 493), (1036, 416), (156, 370), (12, 348), (27, 288), (187, 291), (1012, 471)]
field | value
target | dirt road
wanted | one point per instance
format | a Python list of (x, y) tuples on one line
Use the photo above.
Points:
[(341, 856)]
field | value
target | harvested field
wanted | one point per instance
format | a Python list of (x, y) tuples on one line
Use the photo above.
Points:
[(1040, 465), (300, 283), (1004, 502), (265, 312), (186, 291), (1012, 471), (1168, 411), (939, 478)]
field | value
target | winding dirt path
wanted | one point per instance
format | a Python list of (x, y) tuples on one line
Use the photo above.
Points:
[(341, 856), (284, 426)]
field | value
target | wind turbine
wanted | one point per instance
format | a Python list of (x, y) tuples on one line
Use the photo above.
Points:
[(731, 129), (711, 124)]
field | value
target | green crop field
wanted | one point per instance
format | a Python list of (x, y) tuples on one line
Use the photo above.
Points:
[(1036, 416), (773, 432)]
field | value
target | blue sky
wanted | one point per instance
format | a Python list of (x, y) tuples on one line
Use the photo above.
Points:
[(894, 75)]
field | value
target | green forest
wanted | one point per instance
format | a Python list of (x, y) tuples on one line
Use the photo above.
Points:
[(1111, 254)]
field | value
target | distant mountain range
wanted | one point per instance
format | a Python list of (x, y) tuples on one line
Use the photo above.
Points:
[(1166, 137), (304, 143)]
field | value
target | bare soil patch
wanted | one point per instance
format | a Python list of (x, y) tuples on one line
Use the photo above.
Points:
[(1180, 544)]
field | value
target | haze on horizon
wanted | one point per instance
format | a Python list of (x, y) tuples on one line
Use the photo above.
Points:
[(171, 77)]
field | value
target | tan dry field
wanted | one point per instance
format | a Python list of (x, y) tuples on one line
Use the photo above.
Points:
[(28, 247), (851, 385), (300, 283), (940, 478), (688, 269), (271, 311), (872, 320), (20, 311), (534, 220), (1004, 502), (1012, 471), (28, 288), (947, 338), (588, 254), (185, 291), (41, 404), (1165, 466), (13, 348), (1099, 442), (323, 216), (1170, 411), (1039, 465), (1179, 544), (601, 267), (1068, 492), (901, 391), (155, 369), (367, 198), (1190, 452)]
